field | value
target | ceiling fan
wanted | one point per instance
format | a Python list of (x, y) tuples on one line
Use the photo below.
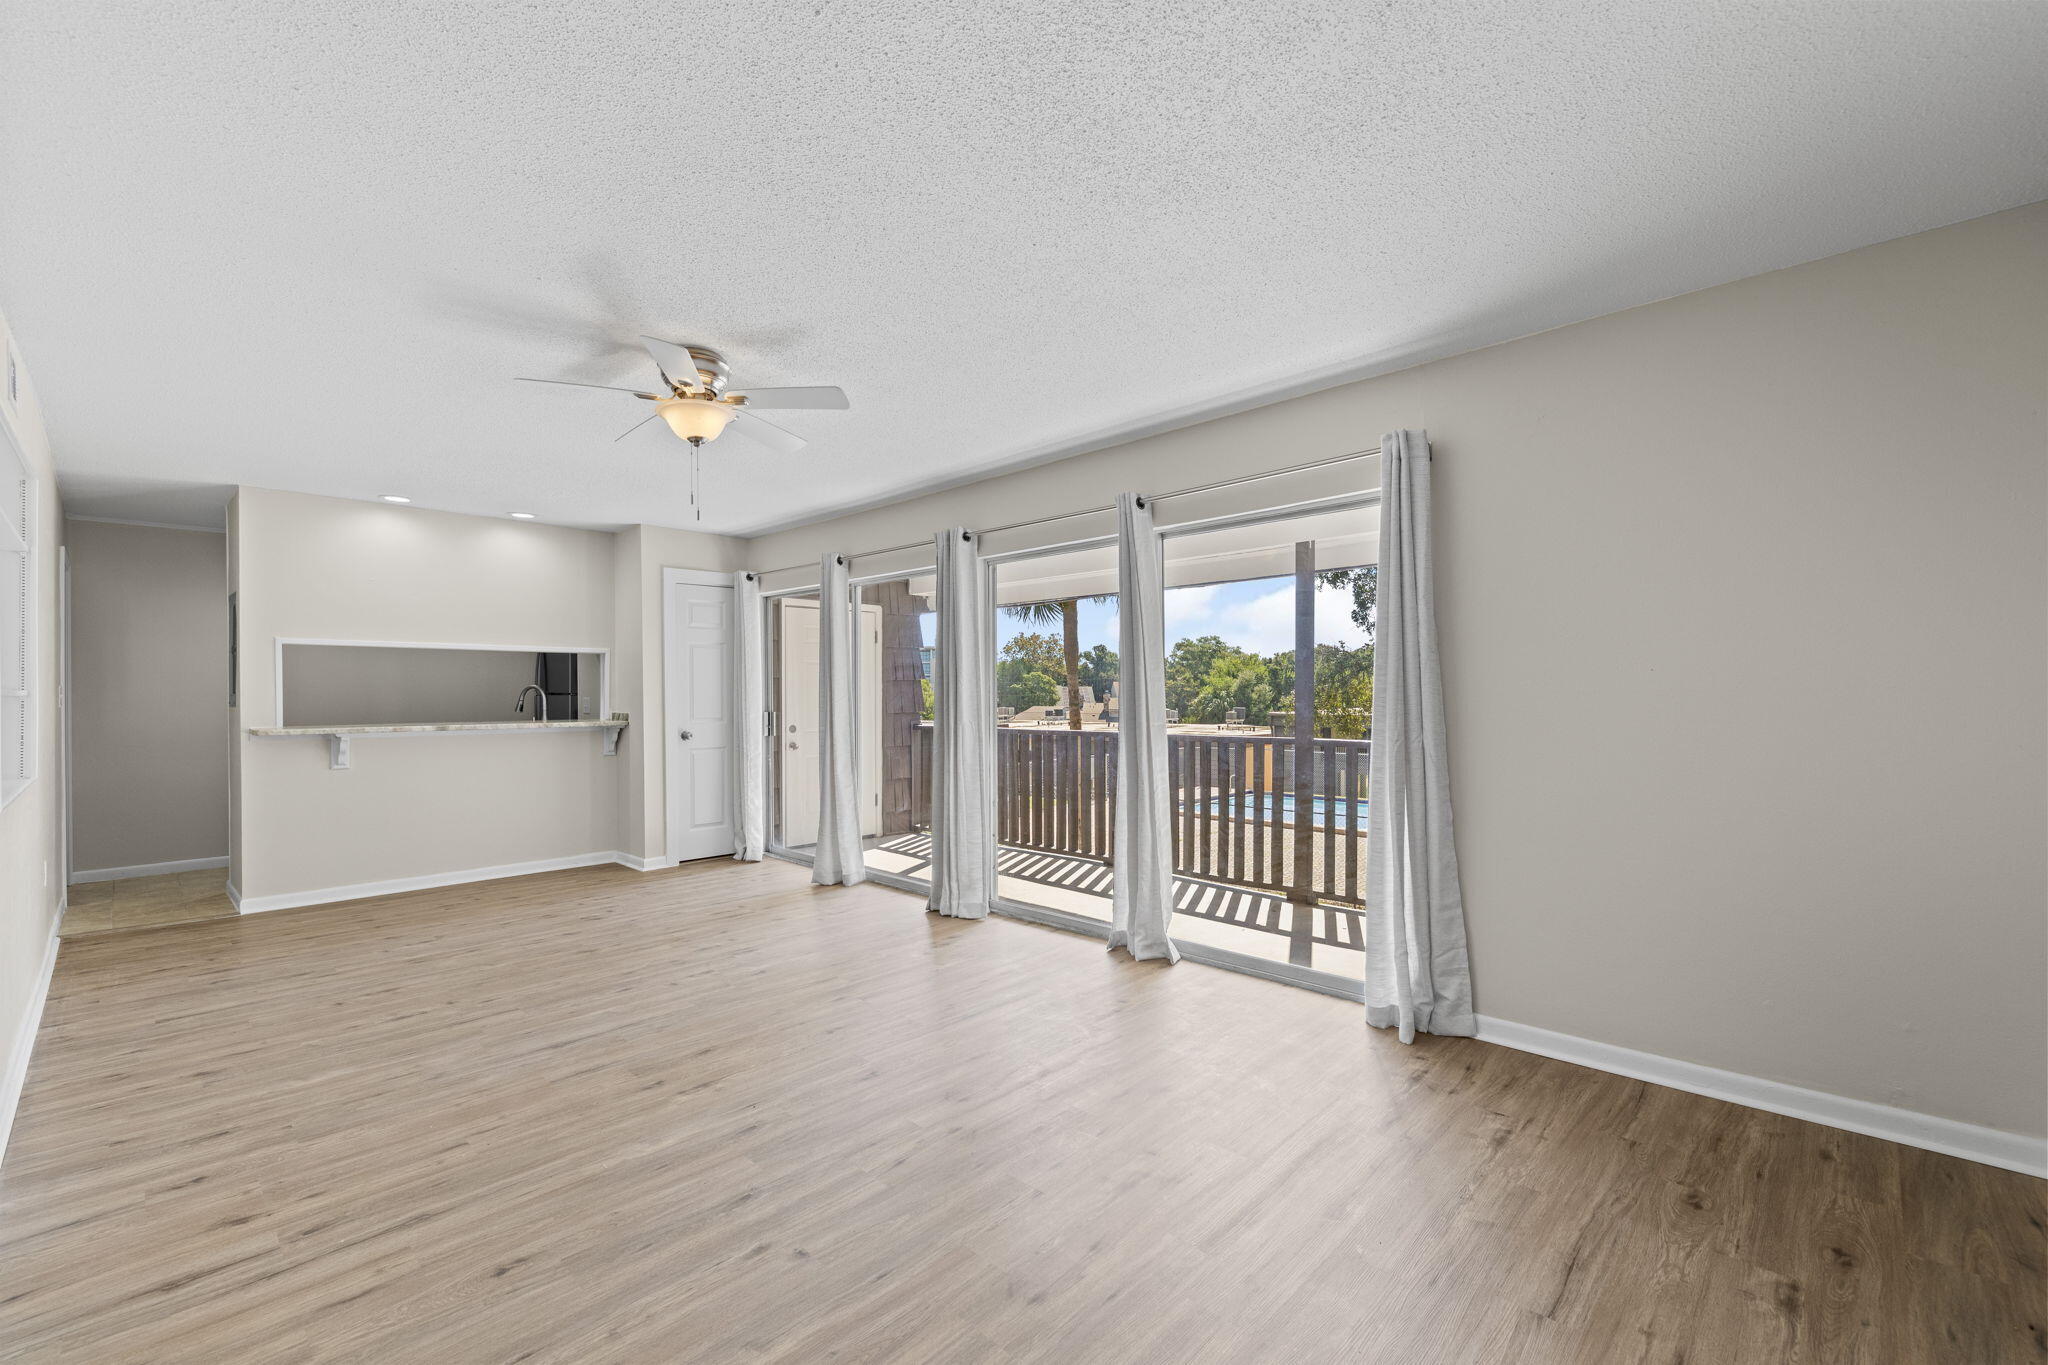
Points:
[(698, 406)]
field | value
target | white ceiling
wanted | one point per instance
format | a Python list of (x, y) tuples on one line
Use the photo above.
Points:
[(308, 246)]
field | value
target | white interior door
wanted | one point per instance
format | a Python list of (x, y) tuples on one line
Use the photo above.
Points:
[(697, 700)]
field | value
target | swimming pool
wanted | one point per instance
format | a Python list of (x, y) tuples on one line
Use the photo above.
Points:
[(1259, 806)]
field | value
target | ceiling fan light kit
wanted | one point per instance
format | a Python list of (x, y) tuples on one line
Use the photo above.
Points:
[(696, 420), (698, 408)]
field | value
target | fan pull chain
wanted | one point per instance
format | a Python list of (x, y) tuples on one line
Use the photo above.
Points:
[(696, 501)]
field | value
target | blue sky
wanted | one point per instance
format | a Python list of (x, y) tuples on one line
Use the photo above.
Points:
[(1256, 614)]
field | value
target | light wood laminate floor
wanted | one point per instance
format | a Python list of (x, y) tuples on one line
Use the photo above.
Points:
[(716, 1114), (146, 902)]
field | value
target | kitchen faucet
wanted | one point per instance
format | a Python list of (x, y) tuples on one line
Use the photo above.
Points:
[(542, 709)]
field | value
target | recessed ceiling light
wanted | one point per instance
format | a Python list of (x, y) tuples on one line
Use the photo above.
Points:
[(393, 497), (521, 516)]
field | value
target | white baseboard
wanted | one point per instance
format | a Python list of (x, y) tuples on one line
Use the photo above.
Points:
[(639, 864), (27, 1027), (1992, 1146), (115, 874), (290, 900), (234, 895)]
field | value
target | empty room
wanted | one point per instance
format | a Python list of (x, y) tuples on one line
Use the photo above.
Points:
[(1162, 682)]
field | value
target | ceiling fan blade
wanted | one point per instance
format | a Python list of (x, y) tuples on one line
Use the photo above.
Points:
[(608, 388), (816, 396), (635, 427), (675, 362), (767, 433)]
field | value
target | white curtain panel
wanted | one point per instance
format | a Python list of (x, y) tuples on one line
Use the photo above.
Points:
[(837, 861), (1142, 895), (750, 709), (1417, 976), (963, 735)]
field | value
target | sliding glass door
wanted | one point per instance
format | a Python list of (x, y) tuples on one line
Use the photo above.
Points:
[(1268, 667), (1269, 629), (1056, 729), (897, 645)]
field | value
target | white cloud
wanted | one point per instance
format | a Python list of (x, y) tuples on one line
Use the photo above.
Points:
[(1265, 624), (1187, 609), (1333, 618)]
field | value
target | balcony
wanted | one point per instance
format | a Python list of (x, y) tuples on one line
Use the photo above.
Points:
[(1268, 835)]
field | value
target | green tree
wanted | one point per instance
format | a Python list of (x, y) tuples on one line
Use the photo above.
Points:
[(1067, 612), (1343, 689), (1019, 685), (1098, 670), (1187, 668), (1343, 682), (1235, 680), (1041, 652), (1281, 667)]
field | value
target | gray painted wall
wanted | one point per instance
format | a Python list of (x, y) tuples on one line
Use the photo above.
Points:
[(331, 569), (149, 659), (1743, 599)]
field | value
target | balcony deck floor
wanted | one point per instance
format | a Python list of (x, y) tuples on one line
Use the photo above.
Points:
[(1326, 938)]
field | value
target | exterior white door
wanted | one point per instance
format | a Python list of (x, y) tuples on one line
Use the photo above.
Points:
[(797, 721), (697, 699), (798, 718)]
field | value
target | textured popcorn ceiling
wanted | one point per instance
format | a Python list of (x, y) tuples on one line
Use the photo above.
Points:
[(307, 246)]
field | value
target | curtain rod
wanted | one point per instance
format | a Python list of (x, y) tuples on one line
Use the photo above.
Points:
[(1093, 511)]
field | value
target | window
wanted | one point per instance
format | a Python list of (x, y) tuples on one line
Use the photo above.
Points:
[(17, 623)]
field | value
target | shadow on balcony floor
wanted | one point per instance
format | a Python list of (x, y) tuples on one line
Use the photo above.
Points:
[(1327, 938)]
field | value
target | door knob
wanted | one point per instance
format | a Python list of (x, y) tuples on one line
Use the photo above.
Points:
[(685, 734)]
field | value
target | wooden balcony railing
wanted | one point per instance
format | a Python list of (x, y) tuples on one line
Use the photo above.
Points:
[(1238, 818)]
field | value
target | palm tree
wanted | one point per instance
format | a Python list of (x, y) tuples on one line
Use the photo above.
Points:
[(1066, 611)]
